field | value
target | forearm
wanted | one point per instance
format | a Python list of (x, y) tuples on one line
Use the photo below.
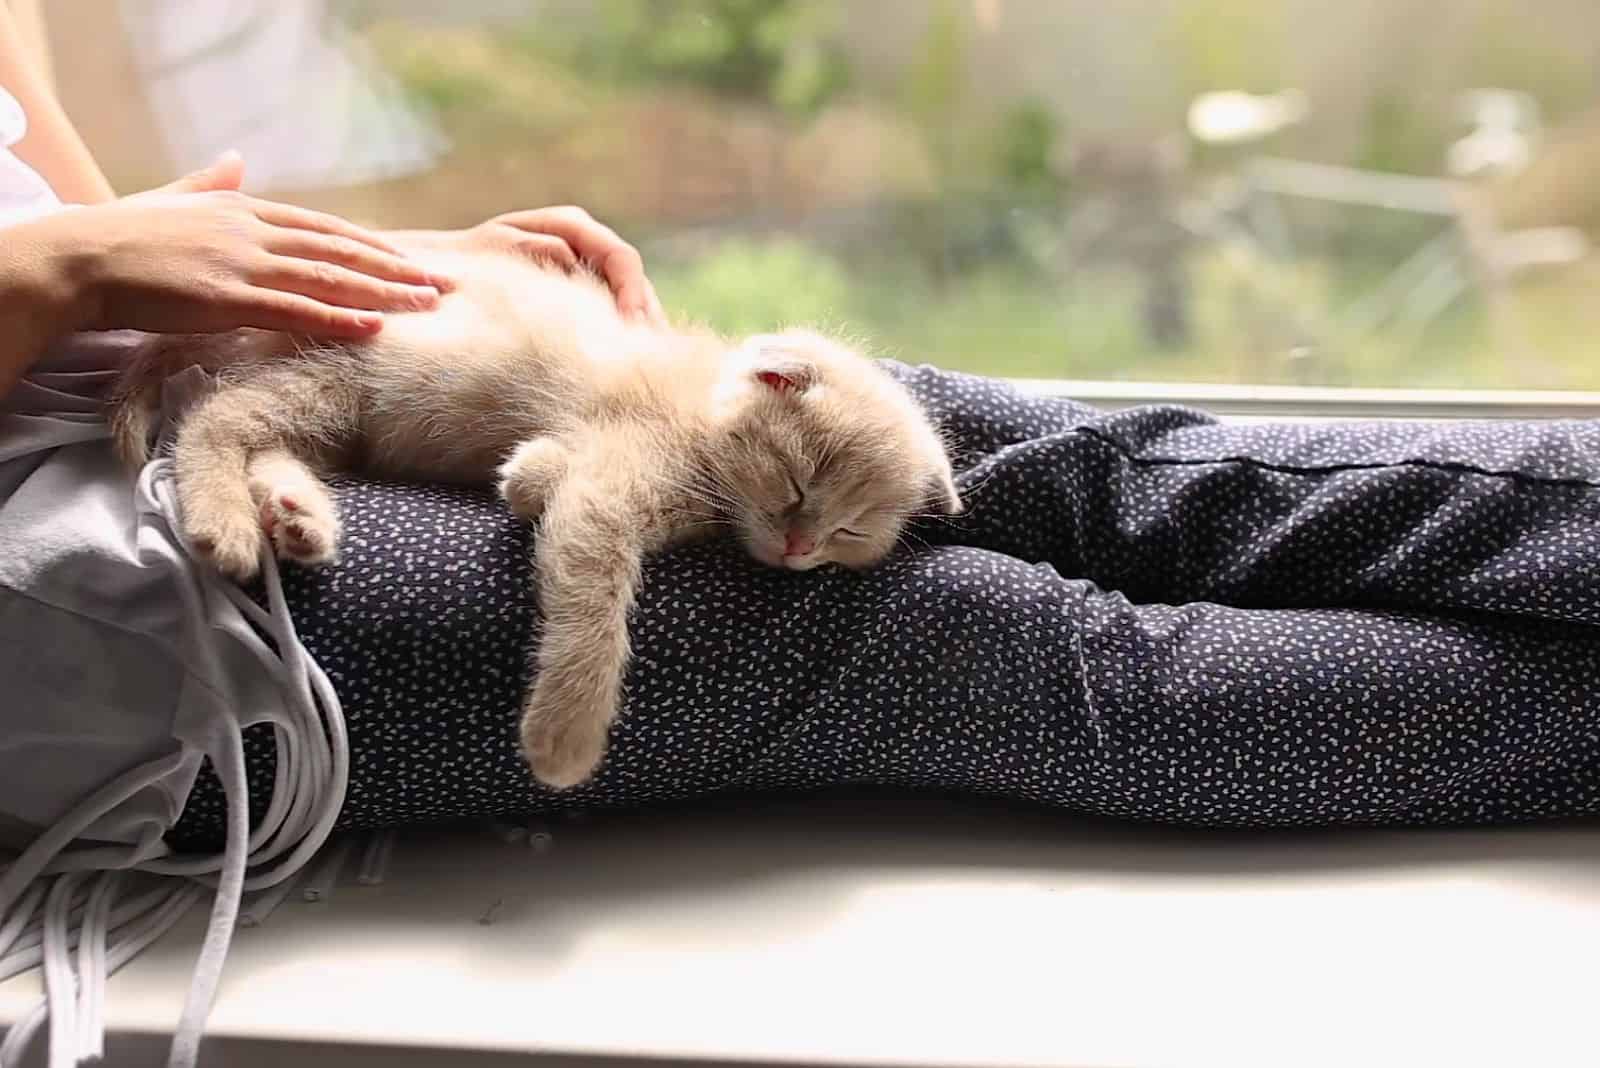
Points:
[(52, 147), (39, 302)]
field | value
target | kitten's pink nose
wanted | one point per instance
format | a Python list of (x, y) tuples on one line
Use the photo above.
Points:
[(798, 544)]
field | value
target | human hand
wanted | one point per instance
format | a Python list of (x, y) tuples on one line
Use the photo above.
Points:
[(197, 256), (566, 237)]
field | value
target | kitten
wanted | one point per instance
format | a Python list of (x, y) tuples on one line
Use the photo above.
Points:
[(618, 438)]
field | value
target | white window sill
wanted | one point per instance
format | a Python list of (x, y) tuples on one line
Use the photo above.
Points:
[(1298, 402), (911, 933)]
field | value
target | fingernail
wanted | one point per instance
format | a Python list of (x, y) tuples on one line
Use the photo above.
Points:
[(369, 320), (424, 297), (442, 282)]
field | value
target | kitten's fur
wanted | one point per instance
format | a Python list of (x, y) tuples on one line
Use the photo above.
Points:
[(618, 438)]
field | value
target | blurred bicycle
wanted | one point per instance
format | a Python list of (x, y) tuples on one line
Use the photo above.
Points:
[(1137, 205)]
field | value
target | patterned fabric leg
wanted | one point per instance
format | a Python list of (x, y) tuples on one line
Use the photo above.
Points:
[(1144, 615), (1168, 506)]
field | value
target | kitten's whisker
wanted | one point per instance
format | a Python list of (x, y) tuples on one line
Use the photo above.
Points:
[(706, 498), (725, 501), (707, 492)]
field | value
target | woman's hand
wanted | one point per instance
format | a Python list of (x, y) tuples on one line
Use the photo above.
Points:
[(564, 236), (199, 257)]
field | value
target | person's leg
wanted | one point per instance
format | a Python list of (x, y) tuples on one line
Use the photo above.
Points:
[(1169, 506), (953, 669)]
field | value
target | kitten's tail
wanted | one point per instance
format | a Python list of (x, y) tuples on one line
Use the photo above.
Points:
[(133, 416), (133, 408)]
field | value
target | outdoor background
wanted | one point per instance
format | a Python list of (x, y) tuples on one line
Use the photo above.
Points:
[(1016, 187)]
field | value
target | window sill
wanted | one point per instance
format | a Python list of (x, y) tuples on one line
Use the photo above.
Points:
[(909, 933), (1299, 402)]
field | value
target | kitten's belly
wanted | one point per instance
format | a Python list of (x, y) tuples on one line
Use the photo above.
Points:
[(448, 437), (517, 351), (451, 418), (434, 461)]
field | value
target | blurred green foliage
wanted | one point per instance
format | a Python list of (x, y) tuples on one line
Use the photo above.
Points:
[(968, 268), (777, 52), (748, 286), (1028, 138)]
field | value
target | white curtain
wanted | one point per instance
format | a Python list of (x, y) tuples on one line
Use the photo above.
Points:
[(279, 81)]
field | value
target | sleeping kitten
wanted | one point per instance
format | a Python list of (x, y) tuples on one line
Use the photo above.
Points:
[(618, 438)]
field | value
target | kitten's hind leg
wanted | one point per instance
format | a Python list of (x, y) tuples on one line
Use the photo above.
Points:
[(530, 476), (211, 455), (295, 508), (300, 405)]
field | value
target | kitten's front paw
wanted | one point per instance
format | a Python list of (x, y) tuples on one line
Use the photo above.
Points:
[(562, 753), (231, 544), (529, 477), (302, 524)]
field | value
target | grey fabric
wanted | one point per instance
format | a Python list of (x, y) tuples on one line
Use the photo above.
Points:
[(99, 656), (122, 667)]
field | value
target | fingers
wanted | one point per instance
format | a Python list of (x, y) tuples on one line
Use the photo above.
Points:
[(315, 235), (298, 218), (535, 246), (597, 244), (636, 297), (653, 310), (225, 174), (292, 313), (335, 284), (590, 239), (308, 234), (325, 248)]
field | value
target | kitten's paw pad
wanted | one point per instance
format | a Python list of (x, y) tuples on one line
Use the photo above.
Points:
[(529, 477), (301, 525), (563, 755), (234, 549)]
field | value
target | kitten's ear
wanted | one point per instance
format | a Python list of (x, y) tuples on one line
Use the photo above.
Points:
[(784, 374), (946, 498), (777, 366)]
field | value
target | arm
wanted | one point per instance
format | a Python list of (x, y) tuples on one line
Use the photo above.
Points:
[(195, 257), (52, 147), (38, 300)]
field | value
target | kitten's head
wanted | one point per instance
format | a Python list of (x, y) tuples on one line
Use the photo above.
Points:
[(822, 456)]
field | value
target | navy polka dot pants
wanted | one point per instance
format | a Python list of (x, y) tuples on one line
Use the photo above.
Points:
[(1144, 614)]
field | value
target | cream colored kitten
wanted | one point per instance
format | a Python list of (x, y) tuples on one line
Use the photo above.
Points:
[(620, 439)]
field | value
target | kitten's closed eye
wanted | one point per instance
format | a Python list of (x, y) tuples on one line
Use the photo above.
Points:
[(846, 532), (792, 506)]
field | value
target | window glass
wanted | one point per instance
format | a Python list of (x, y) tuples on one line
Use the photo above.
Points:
[(1365, 193)]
